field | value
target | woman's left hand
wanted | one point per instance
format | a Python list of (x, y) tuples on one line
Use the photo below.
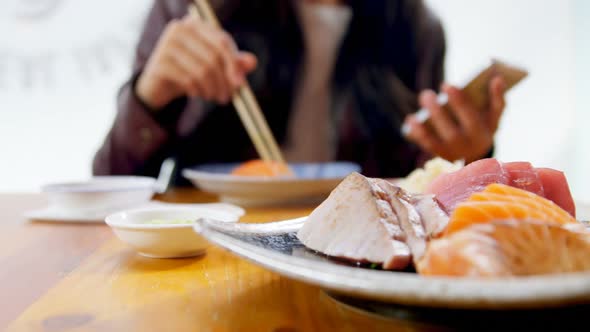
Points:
[(470, 136)]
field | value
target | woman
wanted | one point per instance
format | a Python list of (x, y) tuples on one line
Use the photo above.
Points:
[(336, 80)]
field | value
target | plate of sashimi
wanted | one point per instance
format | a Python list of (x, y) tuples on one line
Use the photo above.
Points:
[(486, 235)]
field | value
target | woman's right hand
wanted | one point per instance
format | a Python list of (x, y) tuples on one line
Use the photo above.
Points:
[(195, 59)]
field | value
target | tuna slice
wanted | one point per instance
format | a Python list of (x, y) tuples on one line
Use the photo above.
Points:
[(357, 223), (453, 188), (523, 176), (557, 189)]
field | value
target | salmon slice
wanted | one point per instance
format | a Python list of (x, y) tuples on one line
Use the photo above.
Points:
[(550, 200), (497, 188), (262, 168), (501, 202), (553, 211), (508, 248)]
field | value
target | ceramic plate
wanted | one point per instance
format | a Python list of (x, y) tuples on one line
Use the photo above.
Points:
[(275, 247), (58, 214), (312, 184)]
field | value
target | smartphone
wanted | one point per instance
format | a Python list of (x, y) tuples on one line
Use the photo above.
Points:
[(478, 88)]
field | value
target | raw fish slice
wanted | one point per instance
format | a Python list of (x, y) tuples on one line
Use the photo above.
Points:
[(452, 188), (501, 202), (407, 215), (468, 253), (522, 175), (545, 205), (479, 212), (434, 218), (355, 222), (507, 190), (557, 189), (508, 248)]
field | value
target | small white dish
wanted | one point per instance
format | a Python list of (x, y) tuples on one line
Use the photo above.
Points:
[(100, 193), (165, 240), (312, 184), (94, 199), (57, 214)]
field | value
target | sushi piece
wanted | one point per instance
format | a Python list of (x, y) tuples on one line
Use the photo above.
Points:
[(508, 248)]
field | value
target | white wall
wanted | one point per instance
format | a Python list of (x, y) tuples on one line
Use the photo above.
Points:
[(52, 122), (539, 121), (537, 35), (61, 63), (581, 157)]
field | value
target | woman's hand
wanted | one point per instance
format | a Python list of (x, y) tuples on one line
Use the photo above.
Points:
[(195, 59), (470, 136)]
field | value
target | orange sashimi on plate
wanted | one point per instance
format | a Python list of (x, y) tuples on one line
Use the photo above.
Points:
[(263, 168), (506, 231), (508, 248), (502, 202)]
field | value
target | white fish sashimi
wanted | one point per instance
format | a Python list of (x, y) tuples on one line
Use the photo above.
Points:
[(371, 220), (356, 224)]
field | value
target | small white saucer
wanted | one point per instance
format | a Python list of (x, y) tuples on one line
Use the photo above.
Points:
[(57, 214), (91, 200)]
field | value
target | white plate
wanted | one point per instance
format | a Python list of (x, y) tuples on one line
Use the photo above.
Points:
[(100, 193), (93, 199), (275, 247), (312, 184), (165, 240), (57, 214)]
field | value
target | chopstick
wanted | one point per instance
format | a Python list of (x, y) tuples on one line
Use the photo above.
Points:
[(244, 101)]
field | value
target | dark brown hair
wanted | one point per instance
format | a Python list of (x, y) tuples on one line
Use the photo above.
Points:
[(382, 38)]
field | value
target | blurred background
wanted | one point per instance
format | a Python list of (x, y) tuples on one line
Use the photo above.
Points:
[(62, 62)]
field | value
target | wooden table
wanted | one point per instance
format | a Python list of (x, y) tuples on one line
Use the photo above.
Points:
[(79, 277)]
